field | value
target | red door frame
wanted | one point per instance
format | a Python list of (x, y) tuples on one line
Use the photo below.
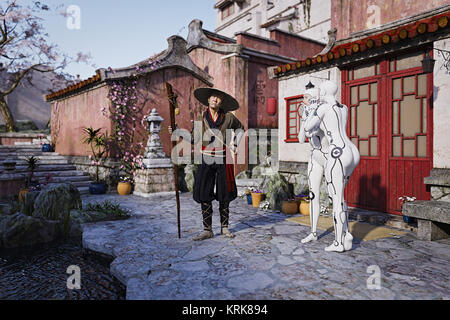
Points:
[(384, 114)]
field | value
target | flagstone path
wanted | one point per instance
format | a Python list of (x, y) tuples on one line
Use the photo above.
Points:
[(264, 261)]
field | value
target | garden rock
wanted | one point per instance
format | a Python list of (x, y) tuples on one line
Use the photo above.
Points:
[(53, 202), (246, 174), (20, 230), (301, 186), (276, 188)]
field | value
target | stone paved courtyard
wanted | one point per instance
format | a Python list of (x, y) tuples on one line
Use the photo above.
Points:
[(264, 261)]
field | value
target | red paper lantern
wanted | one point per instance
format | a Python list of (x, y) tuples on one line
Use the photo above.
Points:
[(271, 106)]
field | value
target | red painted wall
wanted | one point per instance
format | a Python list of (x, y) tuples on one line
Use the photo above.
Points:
[(281, 43), (260, 88), (352, 16), (295, 46), (72, 114)]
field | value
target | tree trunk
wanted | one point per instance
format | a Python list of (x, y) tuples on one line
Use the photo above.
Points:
[(7, 115)]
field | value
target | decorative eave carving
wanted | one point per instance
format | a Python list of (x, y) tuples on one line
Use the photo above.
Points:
[(197, 39), (331, 41)]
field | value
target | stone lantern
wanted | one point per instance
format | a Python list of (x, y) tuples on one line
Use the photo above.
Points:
[(156, 176), (154, 148)]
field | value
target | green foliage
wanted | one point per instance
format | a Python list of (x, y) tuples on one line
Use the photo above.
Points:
[(32, 163), (97, 141), (277, 190), (107, 207)]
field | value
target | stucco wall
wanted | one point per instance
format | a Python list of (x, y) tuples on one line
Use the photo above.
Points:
[(441, 111), (70, 115), (293, 86)]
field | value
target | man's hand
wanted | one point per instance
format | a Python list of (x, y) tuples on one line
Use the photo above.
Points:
[(169, 128)]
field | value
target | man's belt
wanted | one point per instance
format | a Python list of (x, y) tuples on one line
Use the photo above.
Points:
[(213, 152)]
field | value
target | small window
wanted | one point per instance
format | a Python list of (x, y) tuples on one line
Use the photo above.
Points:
[(293, 118), (227, 11)]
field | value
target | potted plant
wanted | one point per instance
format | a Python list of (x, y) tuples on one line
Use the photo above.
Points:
[(124, 186), (32, 163), (248, 194), (97, 142), (301, 196), (404, 199), (289, 206), (304, 206), (257, 196), (45, 145)]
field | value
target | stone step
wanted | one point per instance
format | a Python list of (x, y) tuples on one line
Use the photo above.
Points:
[(66, 173), (75, 183), (15, 154), (83, 190), (66, 179), (44, 161), (41, 158), (46, 168), (21, 147), (21, 151)]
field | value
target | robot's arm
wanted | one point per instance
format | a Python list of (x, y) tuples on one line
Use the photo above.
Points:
[(312, 122), (302, 133)]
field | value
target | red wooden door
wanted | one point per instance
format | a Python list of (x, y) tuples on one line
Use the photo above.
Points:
[(410, 129), (390, 121)]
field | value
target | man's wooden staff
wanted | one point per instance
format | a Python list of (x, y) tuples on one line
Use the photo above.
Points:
[(173, 105)]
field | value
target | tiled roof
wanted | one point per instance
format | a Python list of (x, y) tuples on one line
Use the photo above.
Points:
[(74, 88), (385, 38)]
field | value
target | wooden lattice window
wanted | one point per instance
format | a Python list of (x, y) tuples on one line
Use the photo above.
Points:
[(293, 117), (228, 10), (409, 116), (364, 118)]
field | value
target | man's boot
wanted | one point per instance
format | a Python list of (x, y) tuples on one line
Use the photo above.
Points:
[(207, 222), (224, 217)]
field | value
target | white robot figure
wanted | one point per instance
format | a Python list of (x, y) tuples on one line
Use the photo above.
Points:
[(342, 157), (317, 161)]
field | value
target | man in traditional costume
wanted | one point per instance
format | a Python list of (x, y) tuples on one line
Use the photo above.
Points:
[(216, 170)]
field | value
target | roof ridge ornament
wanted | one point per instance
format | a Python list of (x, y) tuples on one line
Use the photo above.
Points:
[(332, 34), (175, 55), (197, 39)]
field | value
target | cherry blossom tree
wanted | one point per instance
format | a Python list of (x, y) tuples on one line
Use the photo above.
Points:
[(25, 48)]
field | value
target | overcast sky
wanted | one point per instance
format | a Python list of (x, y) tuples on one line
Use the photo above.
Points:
[(121, 33)]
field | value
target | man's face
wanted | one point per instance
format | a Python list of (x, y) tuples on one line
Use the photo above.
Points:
[(214, 102)]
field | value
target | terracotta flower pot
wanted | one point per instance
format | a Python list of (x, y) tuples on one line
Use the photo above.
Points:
[(22, 194), (304, 207), (289, 207), (124, 188), (299, 199), (256, 199)]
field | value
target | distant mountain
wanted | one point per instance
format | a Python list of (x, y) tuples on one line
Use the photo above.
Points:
[(27, 101)]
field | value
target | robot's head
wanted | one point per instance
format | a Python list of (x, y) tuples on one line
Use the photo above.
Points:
[(328, 90), (312, 93)]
